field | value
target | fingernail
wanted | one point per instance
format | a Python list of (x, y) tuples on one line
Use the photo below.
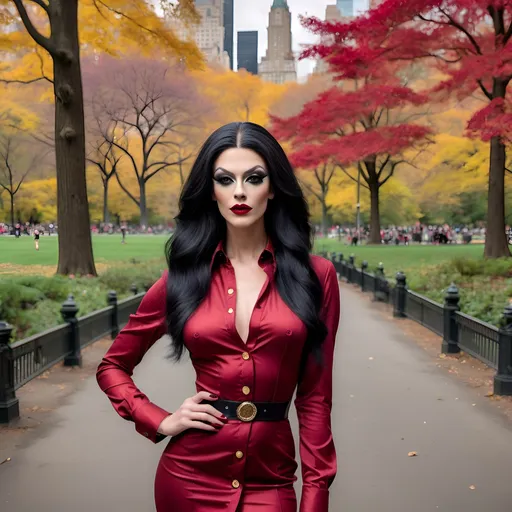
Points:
[(213, 396), (222, 417)]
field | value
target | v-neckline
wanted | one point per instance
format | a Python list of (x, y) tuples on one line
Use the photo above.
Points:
[(262, 291)]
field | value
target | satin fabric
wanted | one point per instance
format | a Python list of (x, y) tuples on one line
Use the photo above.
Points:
[(199, 470)]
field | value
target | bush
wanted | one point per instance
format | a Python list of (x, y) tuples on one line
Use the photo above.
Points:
[(32, 303), (143, 275)]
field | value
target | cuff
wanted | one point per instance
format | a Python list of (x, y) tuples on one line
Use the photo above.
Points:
[(314, 499), (147, 419)]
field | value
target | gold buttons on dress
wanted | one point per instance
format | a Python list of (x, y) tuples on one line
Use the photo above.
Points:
[(239, 454), (246, 390), (231, 291), (235, 484), (230, 310), (245, 356)]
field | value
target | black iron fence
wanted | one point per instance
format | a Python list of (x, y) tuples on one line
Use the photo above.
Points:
[(489, 344), (24, 360)]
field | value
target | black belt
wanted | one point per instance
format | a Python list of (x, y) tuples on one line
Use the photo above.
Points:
[(251, 411)]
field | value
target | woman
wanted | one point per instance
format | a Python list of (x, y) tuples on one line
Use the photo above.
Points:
[(258, 316)]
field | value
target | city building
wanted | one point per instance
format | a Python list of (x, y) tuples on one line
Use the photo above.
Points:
[(332, 13), (229, 29), (209, 34), (346, 7), (247, 50), (278, 65)]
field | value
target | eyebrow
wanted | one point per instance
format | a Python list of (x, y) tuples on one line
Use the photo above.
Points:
[(252, 169)]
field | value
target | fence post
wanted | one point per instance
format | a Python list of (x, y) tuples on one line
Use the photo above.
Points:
[(343, 270), (114, 321), (68, 311), (400, 295), (134, 289), (451, 327), (364, 266), (351, 266), (9, 405), (379, 276), (503, 378)]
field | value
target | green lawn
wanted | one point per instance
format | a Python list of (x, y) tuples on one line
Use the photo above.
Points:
[(485, 286), (107, 248), (404, 258)]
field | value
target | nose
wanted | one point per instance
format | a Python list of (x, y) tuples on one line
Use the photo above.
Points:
[(239, 191)]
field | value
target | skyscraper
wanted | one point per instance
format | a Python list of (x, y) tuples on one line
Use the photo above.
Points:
[(229, 28), (346, 7), (209, 34), (248, 51), (332, 13), (278, 65)]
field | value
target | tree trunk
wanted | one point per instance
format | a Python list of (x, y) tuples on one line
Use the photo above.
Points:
[(12, 209), (496, 245), (324, 217), (142, 204), (106, 213), (75, 244), (373, 184)]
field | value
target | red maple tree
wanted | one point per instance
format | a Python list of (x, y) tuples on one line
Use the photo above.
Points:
[(470, 41), (370, 125)]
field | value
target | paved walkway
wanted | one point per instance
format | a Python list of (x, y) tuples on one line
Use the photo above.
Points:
[(389, 400)]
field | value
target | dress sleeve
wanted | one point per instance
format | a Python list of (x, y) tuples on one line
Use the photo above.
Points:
[(114, 373), (313, 403)]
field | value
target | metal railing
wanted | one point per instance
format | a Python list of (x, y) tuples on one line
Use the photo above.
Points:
[(23, 360), (491, 345)]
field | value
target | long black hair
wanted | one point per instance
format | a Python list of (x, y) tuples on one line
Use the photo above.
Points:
[(200, 227)]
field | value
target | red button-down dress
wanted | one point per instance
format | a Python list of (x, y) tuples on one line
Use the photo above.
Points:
[(244, 467)]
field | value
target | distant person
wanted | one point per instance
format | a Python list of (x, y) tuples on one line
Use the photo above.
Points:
[(123, 232), (17, 230), (36, 239)]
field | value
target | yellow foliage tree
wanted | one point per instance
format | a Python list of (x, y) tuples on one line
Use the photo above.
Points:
[(52, 28)]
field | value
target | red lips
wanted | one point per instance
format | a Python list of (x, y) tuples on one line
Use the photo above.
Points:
[(240, 209)]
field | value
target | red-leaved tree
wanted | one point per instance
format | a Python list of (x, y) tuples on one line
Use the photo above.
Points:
[(371, 124), (470, 41)]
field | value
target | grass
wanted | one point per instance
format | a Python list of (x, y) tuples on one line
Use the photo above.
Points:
[(107, 248), (485, 286), (402, 258)]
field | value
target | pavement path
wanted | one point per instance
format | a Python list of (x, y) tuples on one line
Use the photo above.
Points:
[(389, 400)]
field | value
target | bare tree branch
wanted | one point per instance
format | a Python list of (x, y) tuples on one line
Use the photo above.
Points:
[(43, 41)]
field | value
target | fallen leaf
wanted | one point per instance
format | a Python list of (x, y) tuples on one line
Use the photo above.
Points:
[(472, 487), (412, 454), (442, 356), (489, 394), (370, 358), (6, 460)]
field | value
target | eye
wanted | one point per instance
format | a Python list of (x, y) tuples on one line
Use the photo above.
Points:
[(223, 180), (256, 179)]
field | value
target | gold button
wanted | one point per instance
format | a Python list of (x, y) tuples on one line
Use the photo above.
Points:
[(230, 310), (245, 356), (235, 484), (246, 390), (239, 454), (231, 291)]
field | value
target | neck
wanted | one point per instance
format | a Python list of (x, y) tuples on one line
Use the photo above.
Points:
[(245, 245)]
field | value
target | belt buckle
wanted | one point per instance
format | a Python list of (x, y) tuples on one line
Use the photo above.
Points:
[(246, 411)]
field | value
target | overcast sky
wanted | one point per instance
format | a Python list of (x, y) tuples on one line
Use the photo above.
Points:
[(253, 15)]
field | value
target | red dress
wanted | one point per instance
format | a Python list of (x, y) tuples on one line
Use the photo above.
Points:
[(244, 467)]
